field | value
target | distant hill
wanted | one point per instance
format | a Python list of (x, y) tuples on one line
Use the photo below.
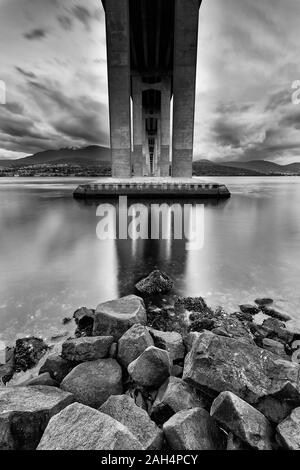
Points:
[(92, 155), (208, 168), (264, 166)]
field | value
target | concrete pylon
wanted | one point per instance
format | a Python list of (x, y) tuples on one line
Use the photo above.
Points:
[(184, 83), (118, 64)]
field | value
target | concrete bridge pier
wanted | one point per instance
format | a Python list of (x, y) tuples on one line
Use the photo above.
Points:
[(118, 65), (184, 83)]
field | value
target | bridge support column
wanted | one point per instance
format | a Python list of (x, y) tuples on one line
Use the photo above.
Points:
[(165, 128), (184, 82), (137, 126), (118, 62)]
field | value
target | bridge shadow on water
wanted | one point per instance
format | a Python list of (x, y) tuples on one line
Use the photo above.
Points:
[(157, 233)]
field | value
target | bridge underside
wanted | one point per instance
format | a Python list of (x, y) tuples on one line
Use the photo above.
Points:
[(151, 54)]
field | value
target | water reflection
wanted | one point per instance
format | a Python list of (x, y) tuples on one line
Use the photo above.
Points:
[(51, 261)]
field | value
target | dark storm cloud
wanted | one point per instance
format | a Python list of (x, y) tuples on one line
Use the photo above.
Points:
[(37, 33), (83, 15), (14, 108), (25, 73), (65, 22), (79, 118), (292, 120), (226, 134)]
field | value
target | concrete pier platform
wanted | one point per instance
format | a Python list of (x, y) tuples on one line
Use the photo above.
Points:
[(151, 188)]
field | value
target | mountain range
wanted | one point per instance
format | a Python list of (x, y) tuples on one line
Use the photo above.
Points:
[(87, 156), (96, 155)]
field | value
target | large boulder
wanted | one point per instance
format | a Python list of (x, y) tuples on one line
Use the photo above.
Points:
[(218, 364), (28, 352), (223, 324), (57, 367), (157, 282), (123, 409), (7, 371), (275, 313), (276, 347), (25, 412), (288, 431), (88, 348), (84, 319), (42, 379), (133, 343), (173, 396), (244, 421), (151, 368), (115, 317), (93, 382), (79, 427), (263, 301), (248, 308), (193, 430), (171, 342), (275, 329)]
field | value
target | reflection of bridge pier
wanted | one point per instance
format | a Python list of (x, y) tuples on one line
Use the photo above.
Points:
[(151, 54)]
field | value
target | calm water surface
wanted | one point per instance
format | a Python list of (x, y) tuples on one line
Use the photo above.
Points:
[(51, 261)]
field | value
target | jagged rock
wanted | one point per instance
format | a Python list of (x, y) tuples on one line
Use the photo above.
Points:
[(123, 409), (243, 420), (86, 348), (151, 368), (223, 324), (115, 317), (218, 364), (57, 367), (243, 317), (84, 319), (190, 338), (133, 343), (192, 304), (169, 341), (193, 430), (275, 313), (275, 347), (235, 443), (248, 308), (7, 370), (288, 431), (43, 379), (275, 329), (28, 352), (173, 396), (25, 412), (79, 427), (156, 283), (277, 408), (262, 302), (93, 382)]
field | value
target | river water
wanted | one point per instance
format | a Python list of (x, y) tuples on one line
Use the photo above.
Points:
[(52, 262)]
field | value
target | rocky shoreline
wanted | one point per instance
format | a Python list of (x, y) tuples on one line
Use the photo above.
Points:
[(141, 375)]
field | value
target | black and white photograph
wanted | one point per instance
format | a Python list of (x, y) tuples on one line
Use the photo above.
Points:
[(149, 229)]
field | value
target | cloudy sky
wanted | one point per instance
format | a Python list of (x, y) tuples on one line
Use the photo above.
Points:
[(53, 61)]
